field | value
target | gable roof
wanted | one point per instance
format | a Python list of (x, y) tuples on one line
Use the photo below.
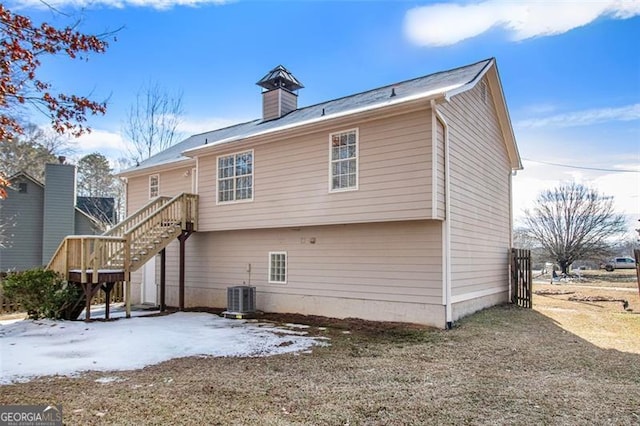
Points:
[(94, 208), (102, 209), (444, 84), (26, 176)]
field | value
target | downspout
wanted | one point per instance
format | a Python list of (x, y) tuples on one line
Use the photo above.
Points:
[(511, 174), (446, 231)]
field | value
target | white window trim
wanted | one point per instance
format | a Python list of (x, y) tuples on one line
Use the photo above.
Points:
[(253, 175), (286, 267), (157, 175), (354, 188)]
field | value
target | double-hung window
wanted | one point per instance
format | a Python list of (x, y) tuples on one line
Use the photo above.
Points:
[(344, 160), (235, 177), (278, 267), (154, 186)]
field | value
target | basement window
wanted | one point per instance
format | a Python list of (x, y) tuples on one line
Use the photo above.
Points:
[(235, 177), (154, 186), (278, 267), (343, 148)]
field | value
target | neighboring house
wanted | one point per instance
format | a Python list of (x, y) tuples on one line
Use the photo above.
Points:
[(101, 208), (392, 204), (37, 217)]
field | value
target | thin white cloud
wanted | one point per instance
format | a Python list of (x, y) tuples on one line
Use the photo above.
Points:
[(583, 118), (445, 24), (103, 141), (193, 126), (119, 4)]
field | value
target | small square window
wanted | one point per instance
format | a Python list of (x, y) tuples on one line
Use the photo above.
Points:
[(278, 267), (22, 187), (154, 186)]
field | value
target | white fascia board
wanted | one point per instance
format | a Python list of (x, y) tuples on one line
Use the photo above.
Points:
[(503, 116), (156, 166), (463, 88), (418, 96)]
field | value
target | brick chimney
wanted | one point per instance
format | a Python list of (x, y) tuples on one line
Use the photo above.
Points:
[(279, 95)]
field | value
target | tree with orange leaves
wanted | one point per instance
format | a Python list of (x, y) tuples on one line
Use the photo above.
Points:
[(22, 44)]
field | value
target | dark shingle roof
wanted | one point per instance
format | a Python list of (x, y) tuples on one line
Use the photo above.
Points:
[(434, 83)]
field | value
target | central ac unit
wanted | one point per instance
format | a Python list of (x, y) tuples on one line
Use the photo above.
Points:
[(241, 299)]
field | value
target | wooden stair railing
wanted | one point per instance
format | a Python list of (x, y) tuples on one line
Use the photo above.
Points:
[(132, 242), (138, 216)]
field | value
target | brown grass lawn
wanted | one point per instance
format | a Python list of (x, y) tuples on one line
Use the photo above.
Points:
[(564, 362)]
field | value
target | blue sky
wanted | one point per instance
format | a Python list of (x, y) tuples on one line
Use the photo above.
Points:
[(570, 70)]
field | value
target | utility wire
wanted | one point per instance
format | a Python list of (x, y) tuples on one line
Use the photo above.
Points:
[(582, 167)]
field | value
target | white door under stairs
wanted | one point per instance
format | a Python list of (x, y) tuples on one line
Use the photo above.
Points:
[(149, 283)]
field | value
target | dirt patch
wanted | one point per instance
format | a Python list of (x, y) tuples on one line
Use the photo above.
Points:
[(552, 291), (625, 303)]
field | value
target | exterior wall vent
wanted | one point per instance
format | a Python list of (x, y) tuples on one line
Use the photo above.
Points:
[(241, 302)]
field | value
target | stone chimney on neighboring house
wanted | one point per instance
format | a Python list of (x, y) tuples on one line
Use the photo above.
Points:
[(279, 97), (59, 206)]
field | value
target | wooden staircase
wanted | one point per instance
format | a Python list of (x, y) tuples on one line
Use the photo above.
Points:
[(99, 261)]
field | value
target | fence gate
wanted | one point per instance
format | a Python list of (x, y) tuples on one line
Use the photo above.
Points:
[(521, 277)]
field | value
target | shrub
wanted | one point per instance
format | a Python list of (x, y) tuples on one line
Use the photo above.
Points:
[(42, 293)]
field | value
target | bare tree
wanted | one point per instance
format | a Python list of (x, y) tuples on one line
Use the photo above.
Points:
[(6, 223), (573, 222), (30, 151), (152, 123)]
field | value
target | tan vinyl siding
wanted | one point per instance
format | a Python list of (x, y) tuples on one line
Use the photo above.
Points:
[(289, 102), (291, 179), (172, 183), (440, 173), (396, 262), (270, 105), (480, 223)]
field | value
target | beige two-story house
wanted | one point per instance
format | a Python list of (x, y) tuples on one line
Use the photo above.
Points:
[(392, 204)]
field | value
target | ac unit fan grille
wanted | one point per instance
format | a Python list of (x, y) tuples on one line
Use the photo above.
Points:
[(241, 299)]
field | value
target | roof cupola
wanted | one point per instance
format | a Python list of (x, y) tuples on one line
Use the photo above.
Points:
[(279, 96)]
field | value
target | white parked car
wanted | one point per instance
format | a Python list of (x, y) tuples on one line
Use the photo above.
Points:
[(620, 263)]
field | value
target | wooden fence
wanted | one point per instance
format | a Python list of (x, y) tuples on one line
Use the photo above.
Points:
[(636, 254), (521, 277)]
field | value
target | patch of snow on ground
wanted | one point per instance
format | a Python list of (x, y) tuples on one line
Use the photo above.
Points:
[(116, 310), (290, 325), (32, 348), (109, 379), (10, 321)]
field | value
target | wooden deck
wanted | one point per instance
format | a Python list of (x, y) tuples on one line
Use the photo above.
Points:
[(98, 262)]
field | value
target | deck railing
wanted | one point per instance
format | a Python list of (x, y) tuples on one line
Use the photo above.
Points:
[(90, 253), (137, 217), (126, 247)]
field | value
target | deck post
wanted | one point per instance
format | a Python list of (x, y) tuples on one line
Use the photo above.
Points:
[(107, 287), (163, 265), (183, 239), (128, 297), (87, 305), (181, 276)]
